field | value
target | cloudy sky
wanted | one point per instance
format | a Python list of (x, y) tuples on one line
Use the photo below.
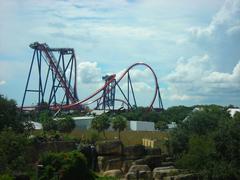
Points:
[(193, 46)]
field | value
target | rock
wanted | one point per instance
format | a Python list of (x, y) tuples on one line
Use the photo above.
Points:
[(114, 173), (114, 164), (126, 165), (183, 177), (140, 175), (160, 172), (164, 164), (106, 163), (135, 168), (151, 161), (134, 152), (110, 147), (153, 151), (139, 162)]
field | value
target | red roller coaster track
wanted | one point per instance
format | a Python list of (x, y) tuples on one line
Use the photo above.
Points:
[(84, 101), (59, 73)]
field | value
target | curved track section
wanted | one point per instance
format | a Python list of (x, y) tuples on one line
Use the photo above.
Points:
[(93, 97)]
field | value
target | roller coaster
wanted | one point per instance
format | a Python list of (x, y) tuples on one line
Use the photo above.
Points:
[(55, 72)]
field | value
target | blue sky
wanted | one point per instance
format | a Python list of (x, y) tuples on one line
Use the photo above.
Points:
[(193, 46)]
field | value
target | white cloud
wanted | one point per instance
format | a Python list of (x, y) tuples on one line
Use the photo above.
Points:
[(226, 18), (195, 79), (2, 82), (188, 70), (89, 73)]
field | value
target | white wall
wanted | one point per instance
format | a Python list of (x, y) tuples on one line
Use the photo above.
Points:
[(83, 123), (141, 126)]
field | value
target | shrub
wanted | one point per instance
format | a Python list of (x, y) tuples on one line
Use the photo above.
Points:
[(101, 123), (6, 177), (71, 165), (66, 124), (12, 151), (8, 115), (50, 125)]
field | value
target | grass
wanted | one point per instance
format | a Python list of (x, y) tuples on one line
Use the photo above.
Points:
[(127, 137)]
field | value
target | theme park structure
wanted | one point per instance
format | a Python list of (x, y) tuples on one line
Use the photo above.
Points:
[(55, 72)]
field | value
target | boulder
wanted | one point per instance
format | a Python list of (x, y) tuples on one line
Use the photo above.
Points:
[(110, 147), (114, 164), (106, 163), (183, 177), (135, 168), (161, 172), (114, 173), (153, 151), (164, 164), (139, 175), (134, 152), (151, 161), (126, 165)]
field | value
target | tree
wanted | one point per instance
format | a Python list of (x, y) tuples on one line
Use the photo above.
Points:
[(101, 123), (161, 125), (208, 143), (66, 124), (64, 166), (50, 125), (8, 115), (119, 123), (12, 151)]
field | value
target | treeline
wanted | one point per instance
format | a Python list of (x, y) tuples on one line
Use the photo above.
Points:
[(208, 142)]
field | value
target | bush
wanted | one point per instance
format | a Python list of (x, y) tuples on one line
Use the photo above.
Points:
[(71, 165), (209, 143), (66, 124), (50, 125), (6, 177), (8, 115), (12, 151)]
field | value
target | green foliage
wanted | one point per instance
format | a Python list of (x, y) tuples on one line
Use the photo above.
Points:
[(101, 123), (12, 151), (71, 165), (119, 123), (6, 177), (200, 151), (200, 122), (8, 115), (92, 136), (209, 142), (66, 124), (176, 114), (161, 125), (50, 125)]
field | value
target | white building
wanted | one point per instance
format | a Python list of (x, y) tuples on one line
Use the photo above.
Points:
[(233, 111), (172, 125), (83, 122), (141, 126)]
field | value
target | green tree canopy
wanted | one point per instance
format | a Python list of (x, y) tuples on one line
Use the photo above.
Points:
[(12, 151), (64, 166), (119, 123), (66, 124), (101, 123), (8, 115)]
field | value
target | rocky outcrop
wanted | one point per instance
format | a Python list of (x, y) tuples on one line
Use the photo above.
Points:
[(153, 151), (184, 177), (114, 173), (110, 147), (142, 172), (106, 163), (134, 152), (160, 172), (151, 161)]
